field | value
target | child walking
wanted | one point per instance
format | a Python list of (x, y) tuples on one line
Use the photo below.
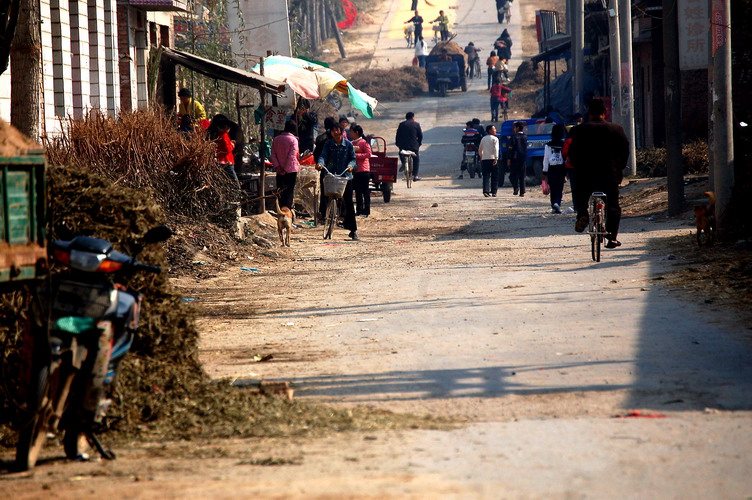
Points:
[(554, 170)]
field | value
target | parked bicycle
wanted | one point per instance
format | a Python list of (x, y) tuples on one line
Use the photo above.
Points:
[(597, 223), (407, 165), (334, 188)]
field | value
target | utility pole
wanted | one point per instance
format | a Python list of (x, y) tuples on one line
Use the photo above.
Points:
[(262, 145), (723, 135), (672, 105), (614, 51), (627, 87), (578, 52)]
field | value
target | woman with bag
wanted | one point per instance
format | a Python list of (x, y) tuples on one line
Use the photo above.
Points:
[(554, 170)]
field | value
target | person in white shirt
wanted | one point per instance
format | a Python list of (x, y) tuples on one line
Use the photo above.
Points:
[(489, 161), (421, 51)]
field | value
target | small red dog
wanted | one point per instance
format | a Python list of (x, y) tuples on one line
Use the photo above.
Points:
[(705, 219), (285, 219)]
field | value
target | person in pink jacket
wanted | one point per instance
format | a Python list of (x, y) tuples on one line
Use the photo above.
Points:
[(285, 160), (362, 173)]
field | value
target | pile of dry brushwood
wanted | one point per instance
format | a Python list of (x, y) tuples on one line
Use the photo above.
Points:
[(143, 150), (392, 84)]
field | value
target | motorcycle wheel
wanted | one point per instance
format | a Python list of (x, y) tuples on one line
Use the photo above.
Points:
[(32, 435), (387, 192), (442, 89)]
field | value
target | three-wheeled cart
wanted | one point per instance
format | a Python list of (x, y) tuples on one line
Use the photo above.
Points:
[(446, 75), (383, 169)]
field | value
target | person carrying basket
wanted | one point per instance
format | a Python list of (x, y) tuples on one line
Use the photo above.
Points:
[(338, 156)]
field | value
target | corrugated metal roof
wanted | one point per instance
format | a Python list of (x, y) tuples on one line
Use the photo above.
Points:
[(223, 72)]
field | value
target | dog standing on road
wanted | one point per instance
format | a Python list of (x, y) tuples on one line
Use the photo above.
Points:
[(285, 218), (705, 219)]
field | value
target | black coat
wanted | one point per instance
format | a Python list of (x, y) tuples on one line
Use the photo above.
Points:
[(409, 135), (599, 152), (306, 124), (518, 151)]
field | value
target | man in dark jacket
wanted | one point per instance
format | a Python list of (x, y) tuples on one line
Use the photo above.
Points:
[(410, 138), (599, 152), (306, 121), (324, 136), (517, 159)]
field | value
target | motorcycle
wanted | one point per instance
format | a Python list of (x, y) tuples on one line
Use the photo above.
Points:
[(470, 158), (85, 326)]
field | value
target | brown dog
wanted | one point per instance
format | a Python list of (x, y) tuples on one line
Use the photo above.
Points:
[(285, 218), (705, 219)]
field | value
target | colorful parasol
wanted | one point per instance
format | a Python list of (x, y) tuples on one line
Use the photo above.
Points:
[(313, 81)]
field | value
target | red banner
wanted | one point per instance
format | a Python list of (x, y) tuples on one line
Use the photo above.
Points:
[(351, 13)]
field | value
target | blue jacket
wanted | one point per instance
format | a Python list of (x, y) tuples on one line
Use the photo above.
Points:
[(337, 157)]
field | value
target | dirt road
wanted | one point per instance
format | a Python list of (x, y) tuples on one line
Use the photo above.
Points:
[(486, 310)]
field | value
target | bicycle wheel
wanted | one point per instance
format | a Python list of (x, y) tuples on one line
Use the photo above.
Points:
[(596, 238), (330, 219), (595, 247), (409, 172)]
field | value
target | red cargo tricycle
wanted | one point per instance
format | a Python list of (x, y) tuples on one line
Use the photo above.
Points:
[(383, 168)]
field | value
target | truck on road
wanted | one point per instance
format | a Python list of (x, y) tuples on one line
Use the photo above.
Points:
[(538, 134)]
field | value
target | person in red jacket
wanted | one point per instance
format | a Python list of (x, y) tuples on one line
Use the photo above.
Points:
[(362, 173), (499, 96), (219, 133)]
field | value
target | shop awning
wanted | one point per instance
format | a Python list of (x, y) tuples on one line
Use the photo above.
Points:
[(223, 72), (555, 50)]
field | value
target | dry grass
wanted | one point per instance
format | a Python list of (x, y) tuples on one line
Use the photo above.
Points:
[(652, 162), (393, 84)]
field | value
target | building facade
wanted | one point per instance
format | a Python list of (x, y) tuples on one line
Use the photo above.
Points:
[(95, 56)]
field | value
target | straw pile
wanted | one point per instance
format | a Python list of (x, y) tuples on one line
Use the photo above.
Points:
[(144, 151), (450, 46), (391, 85)]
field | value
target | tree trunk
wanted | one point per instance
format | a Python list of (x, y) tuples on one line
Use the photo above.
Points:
[(26, 71), (335, 30)]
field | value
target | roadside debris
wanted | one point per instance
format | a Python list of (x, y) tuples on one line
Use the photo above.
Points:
[(639, 414)]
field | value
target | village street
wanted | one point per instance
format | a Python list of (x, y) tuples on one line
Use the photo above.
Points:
[(486, 311)]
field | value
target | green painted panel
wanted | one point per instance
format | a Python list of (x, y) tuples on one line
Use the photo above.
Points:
[(19, 215)]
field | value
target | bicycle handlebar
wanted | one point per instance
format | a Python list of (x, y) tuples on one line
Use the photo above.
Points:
[(343, 174)]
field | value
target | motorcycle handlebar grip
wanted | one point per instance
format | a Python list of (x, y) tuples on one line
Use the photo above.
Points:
[(150, 269)]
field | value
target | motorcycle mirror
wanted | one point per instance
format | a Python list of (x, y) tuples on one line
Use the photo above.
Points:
[(157, 234)]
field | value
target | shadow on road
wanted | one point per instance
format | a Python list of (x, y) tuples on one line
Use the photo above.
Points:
[(693, 352)]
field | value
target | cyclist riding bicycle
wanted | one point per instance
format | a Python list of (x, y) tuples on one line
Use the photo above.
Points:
[(599, 152), (472, 56)]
